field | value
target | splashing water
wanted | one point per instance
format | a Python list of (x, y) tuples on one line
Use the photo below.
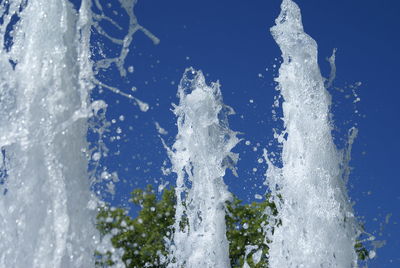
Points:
[(200, 156), (46, 202), (47, 210), (317, 227)]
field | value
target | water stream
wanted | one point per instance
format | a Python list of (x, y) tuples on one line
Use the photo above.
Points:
[(45, 204), (316, 225), (48, 71), (200, 156)]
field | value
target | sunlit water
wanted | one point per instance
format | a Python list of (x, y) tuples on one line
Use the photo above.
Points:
[(316, 225), (200, 156), (47, 209), (46, 205)]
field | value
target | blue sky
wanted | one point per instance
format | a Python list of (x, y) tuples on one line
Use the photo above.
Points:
[(230, 42)]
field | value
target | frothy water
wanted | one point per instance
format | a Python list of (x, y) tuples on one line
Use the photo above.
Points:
[(47, 208), (45, 204), (316, 225), (200, 156)]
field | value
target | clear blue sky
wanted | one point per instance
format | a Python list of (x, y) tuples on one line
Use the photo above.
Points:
[(230, 42)]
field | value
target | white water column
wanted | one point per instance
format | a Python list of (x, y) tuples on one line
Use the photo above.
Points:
[(200, 156), (46, 208), (317, 226)]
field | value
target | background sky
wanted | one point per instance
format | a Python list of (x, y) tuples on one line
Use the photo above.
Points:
[(230, 42)]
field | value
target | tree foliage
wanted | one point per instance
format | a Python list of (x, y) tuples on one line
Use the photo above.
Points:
[(142, 239), (245, 232)]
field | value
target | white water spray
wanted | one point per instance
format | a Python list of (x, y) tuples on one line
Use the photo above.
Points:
[(46, 204), (200, 156), (317, 226), (47, 210)]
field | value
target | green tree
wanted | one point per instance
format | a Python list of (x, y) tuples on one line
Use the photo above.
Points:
[(245, 232), (143, 238)]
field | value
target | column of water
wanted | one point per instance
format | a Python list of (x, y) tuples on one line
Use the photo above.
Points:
[(316, 226), (46, 207), (200, 156)]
